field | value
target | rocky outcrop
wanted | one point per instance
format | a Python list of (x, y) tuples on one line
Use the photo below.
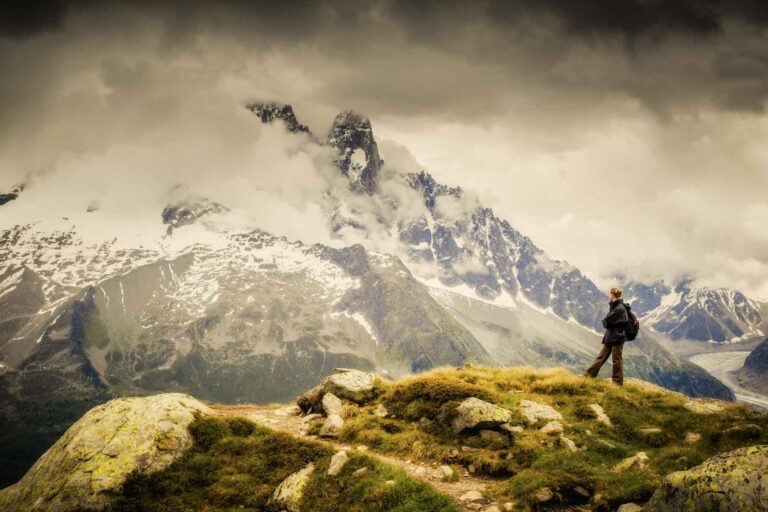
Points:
[(347, 384), (358, 159), (535, 412), (474, 413), (97, 453), (754, 373), (730, 482), (289, 493), (269, 112)]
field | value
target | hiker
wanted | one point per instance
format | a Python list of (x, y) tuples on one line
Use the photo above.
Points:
[(615, 323)]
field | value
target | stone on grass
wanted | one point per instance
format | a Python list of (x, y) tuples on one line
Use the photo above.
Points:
[(290, 492), (311, 401), (445, 473), (472, 497), (729, 482), (543, 495), (535, 412), (636, 462), (648, 432), (553, 427), (630, 507), (474, 413), (338, 461), (692, 437), (568, 444), (380, 411), (703, 406), (87, 465), (332, 427), (332, 404), (359, 472), (352, 385), (600, 415)]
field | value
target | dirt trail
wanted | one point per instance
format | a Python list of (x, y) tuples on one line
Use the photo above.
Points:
[(288, 419)]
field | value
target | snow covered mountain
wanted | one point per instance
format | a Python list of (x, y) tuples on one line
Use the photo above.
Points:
[(688, 312)]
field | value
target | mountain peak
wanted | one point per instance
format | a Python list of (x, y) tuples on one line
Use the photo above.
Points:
[(352, 135), (268, 112), (10, 196)]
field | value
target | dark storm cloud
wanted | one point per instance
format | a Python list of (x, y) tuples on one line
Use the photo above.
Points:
[(19, 18)]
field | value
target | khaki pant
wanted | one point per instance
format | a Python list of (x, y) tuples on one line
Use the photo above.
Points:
[(618, 362)]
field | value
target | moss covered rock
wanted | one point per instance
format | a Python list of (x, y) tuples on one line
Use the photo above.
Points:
[(474, 413), (730, 482), (290, 492), (93, 458)]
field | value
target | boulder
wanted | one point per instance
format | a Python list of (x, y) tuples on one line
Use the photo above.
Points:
[(338, 461), (630, 507), (311, 401), (638, 461), (332, 427), (728, 482), (600, 415), (474, 413), (352, 385), (332, 404), (553, 427), (95, 455), (543, 495), (535, 412), (380, 411), (445, 473), (289, 493), (568, 444)]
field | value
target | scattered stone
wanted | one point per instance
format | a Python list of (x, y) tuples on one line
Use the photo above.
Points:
[(292, 410), (492, 508), (493, 436), (332, 427), (553, 427), (509, 506), (475, 413), (647, 432), (630, 507), (390, 482), (692, 437), (445, 473), (568, 444), (728, 482), (312, 417), (424, 422), (543, 495), (362, 448), (606, 443), (550, 444), (472, 497), (420, 472), (472, 469), (289, 493), (88, 464), (338, 461), (380, 411), (512, 430), (638, 461), (535, 412), (332, 404), (600, 415), (703, 407), (581, 491), (359, 472), (353, 385), (469, 449)]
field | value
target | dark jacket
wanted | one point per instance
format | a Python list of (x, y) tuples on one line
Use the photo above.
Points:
[(615, 323)]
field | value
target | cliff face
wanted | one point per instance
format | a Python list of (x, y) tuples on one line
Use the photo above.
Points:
[(754, 373)]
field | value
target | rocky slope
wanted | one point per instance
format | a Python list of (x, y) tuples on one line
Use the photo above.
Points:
[(754, 373), (472, 438)]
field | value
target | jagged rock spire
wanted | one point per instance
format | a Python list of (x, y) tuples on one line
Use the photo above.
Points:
[(351, 134), (268, 112)]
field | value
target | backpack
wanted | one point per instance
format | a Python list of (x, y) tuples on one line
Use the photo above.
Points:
[(633, 326)]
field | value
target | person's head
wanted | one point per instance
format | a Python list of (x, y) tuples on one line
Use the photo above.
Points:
[(615, 294)]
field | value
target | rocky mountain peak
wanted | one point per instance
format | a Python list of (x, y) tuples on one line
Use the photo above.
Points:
[(352, 135), (268, 112), (184, 213), (10, 196), (431, 189)]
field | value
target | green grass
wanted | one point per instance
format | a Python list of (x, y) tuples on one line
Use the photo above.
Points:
[(235, 464), (530, 463)]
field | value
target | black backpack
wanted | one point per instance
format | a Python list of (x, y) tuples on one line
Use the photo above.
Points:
[(633, 326)]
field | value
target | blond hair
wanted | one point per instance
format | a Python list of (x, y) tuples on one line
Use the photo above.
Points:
[(616, 292)]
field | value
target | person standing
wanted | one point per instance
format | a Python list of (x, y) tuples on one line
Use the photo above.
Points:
[(615, 323)]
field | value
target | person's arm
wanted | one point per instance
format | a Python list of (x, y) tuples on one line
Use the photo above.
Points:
[(615, 316)]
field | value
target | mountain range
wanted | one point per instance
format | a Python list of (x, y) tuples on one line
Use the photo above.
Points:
[(420, 275)]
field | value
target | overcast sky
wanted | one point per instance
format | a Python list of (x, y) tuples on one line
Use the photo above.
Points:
[(621, 136)]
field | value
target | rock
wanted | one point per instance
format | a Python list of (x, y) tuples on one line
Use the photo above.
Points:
[(381, 411), (311, 401), (647, 432), (535, 412), (95, 455), (312, 417), (553, 427), (568, 444), (360, 472), (445, 473), (600, 415), (492, 508), (703, 407), (332, 404), (332, 427), (289, 493), (420, 472), (472, 497), (390, 482), (606, 443), (638, 461), (630, 507), (512, 430), (424, 422), (581, 491), (747, 431), (493, 436), (352, 385), (509, 506), (728, 482), (692, 438), (338, 461), (475, 413), (543, 495), (362, 448)]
